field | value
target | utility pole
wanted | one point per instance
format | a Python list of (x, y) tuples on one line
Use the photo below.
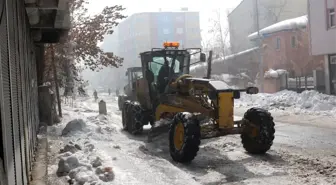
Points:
[(261, 65), (209, 65)]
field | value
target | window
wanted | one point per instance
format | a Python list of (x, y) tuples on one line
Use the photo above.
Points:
[(166, 31), (179, 31), (278, 42), (137, 74), (179, 19), (165, 19), (333, 59), (158, 61), (293, 42), (332, 18)]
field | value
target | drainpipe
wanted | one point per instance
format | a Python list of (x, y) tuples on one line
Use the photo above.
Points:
[(261, 65)]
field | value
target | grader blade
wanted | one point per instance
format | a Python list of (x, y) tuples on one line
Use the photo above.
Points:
[(156, 131)]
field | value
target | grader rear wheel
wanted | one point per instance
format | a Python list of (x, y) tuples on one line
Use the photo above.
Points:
[(135, 119), (260, 139), (124, 114), (184, 138), (121, 100)]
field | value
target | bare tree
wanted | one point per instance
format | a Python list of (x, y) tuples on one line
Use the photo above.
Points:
[(219, 35), (274, 9)]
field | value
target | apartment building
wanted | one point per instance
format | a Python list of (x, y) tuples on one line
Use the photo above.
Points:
[(322, 26), (143, 31)]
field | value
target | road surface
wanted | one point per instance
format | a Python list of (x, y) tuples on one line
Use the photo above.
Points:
[(301, 154)]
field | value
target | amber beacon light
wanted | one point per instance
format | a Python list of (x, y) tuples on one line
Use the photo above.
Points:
[(171, 44)]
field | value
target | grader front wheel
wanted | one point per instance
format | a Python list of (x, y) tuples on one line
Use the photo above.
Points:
[(184, 138), (259, 138)]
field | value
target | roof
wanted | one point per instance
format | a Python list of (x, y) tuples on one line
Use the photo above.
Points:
[(289, 24)]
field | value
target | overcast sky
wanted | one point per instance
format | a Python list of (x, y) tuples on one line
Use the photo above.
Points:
[(205, 7)]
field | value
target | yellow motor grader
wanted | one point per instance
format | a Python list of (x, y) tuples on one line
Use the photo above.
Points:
[(168, 94)]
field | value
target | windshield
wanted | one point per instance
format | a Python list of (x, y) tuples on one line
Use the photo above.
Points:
[(137, 75), (159, 61)]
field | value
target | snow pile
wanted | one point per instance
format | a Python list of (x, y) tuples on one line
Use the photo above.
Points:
[(307, 102), (227, 78), (79, 162), (73, 126), (289, 24), (83, 165), (275, 73), (238, 81)]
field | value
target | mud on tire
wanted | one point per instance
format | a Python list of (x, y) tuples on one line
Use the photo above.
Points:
[(263, 141), (136, 118), (191, 138)]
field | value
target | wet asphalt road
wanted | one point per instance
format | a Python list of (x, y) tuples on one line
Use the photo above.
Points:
[(312, 139)]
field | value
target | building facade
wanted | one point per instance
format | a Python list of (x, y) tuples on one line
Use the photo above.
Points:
[(243, 19), (322, 26), (286, 46), (143, 31)]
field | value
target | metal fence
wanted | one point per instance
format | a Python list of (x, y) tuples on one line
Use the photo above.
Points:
[(18, 92)]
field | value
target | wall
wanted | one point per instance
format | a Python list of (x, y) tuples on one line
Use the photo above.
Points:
[(183, 27), (297, 60), (241, 24), (323, 40), (192, 30), (242, 20)]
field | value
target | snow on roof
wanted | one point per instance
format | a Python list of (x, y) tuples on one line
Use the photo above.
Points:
[(289, 24), (222, 59)]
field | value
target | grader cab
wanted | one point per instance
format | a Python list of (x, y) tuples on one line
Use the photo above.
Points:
[(133, 74), (168, 94)]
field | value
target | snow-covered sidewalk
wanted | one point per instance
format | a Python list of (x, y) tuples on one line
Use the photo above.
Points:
[(99, 152)]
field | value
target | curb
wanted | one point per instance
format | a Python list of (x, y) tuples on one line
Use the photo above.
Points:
[(40, 165)]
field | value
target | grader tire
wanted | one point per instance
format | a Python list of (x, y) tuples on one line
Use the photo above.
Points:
[(120, 102), (124, 114), (262, 140), (184, 138), (135, 117)]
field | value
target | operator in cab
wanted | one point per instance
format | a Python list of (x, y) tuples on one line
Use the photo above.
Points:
[(162, 77)]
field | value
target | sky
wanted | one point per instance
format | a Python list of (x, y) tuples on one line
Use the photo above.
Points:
[(206, 8)]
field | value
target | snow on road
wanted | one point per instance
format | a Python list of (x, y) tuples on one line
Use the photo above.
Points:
[(134, 161)]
